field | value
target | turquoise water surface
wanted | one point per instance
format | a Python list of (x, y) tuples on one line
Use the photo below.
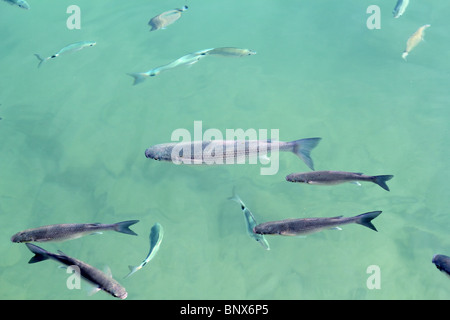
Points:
[(74, 132)]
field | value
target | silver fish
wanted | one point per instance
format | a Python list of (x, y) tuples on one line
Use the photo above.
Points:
[(295, 227), (414, 40), (442, 262), (20, 3), (156, 236), (336, 177), (101, 280), (232, 52), (228, 151), (188, 59), (161, 21), (250, 222), (400, 8), (61, 232), (67, 49)]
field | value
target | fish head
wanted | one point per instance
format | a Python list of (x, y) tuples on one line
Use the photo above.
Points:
[(23, 4), (20, 237), (251, 52), (296, 178), (267, 228), (119, 292), (157, 153)]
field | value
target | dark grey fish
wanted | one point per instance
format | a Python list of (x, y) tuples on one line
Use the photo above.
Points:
[(295, 227), (442, 263), (228, 151), (100, 279), (336, 177), (61, 232)]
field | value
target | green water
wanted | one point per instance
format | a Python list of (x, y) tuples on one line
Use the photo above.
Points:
[(75, 130)]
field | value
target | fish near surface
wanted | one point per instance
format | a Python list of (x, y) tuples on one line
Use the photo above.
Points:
[(228, 151), (400, 8), (296, 227), (20, 3), (442, 262), (61, 232), (161, 21), (414, 40), (89, 273), (67, 49), (336, 177), (232, 52)]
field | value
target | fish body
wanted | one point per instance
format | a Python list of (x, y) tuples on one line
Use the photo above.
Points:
[(296, 227), (156, 236), (20, 3), (67, 49), (62, 232), (232, 52), (93, 275), (336, 177), (442, 262), (414, 40), (228, 151), (250, 222), (161, 21), (188, 59), (400, 8)]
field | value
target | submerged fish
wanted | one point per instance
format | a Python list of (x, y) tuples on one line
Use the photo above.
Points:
[(294, 227), (61, 232), (442, 263), (232, 52), (414, 40), (188, 59), (101, 280), (228, 151), (20, 3), (335, 177), (67, 49), (400, 8), (156, 236), (250, 222), (161, 21)]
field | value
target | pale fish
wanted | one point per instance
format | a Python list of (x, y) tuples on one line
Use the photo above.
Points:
[(232, 52), (250, 222), (188, 59), (164, 19), (67, 49), (156, 236), (20, 3), (400, 8), (228, 151), (414, 40), (101, 280)]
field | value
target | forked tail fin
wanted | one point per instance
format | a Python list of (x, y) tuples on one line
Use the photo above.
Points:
[(303, 148), (381, 181), (41, 60), (124, 227), (366, 218), (138, 77)]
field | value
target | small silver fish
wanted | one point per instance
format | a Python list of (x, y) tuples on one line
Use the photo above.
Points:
[(20, 3), (400, 8), (295, 227), (228, 151), (442, 262), (250, 222), (62, 232), (414, 40), (336, 177), (156, 236), (161, 21), (89, 273), (188, 59), (67, 49), (232, 52)]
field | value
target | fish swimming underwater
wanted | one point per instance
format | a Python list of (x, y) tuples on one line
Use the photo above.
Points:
[(442, 262), (336, 177), (228, 151), (414, 40), (188, 59), (250, 222), (295, 227), (20, 3), (61, 232), (67, 49), (161, 21), (93, 275), (232, 52), (400, 8), (156, 236)]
